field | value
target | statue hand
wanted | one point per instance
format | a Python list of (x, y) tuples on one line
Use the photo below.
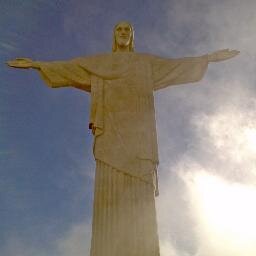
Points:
[(222, 55), (21, 63)]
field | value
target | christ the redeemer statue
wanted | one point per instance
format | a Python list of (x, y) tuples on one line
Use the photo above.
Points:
[(122, 119)]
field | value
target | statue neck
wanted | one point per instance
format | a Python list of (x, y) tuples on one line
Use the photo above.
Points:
[(122, 48)]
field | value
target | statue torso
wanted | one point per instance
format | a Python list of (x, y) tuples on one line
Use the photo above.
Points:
[(128, 141)]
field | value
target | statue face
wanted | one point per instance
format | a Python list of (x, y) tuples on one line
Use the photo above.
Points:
[(123, 34)]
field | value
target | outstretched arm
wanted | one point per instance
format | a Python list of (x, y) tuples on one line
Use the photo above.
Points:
[(222, 55), (167, 72), (23, 63), (57, 73)]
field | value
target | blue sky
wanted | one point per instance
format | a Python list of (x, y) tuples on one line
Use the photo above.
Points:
[(206, 131)]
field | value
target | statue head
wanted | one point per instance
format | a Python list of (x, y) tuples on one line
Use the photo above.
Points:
[(123, 37)]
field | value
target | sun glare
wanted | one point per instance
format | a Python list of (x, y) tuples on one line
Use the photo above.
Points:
[(226, 212), (250, 135)]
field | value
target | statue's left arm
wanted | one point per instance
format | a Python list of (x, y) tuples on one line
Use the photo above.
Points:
[(168, 72)]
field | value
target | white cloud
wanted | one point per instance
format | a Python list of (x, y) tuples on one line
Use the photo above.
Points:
[(167, 249), (215, 215), (230, 138), (224, 213), (211, 190)]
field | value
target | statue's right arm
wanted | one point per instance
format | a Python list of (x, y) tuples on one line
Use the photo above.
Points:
[(57, 73)]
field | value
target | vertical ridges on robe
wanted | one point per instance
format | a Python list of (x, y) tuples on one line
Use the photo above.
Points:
[(124, 219)]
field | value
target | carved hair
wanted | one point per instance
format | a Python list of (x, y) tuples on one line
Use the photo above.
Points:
[(131, 44)]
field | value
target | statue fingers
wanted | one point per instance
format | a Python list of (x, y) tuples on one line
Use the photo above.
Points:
[(232, 53), (20, 63), (13, 63), (223, 54), (235, 52)]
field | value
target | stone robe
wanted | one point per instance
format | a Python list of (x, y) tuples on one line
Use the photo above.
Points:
[(125, 144)]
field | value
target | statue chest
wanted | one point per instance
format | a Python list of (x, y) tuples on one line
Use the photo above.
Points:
[(124, 92)]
